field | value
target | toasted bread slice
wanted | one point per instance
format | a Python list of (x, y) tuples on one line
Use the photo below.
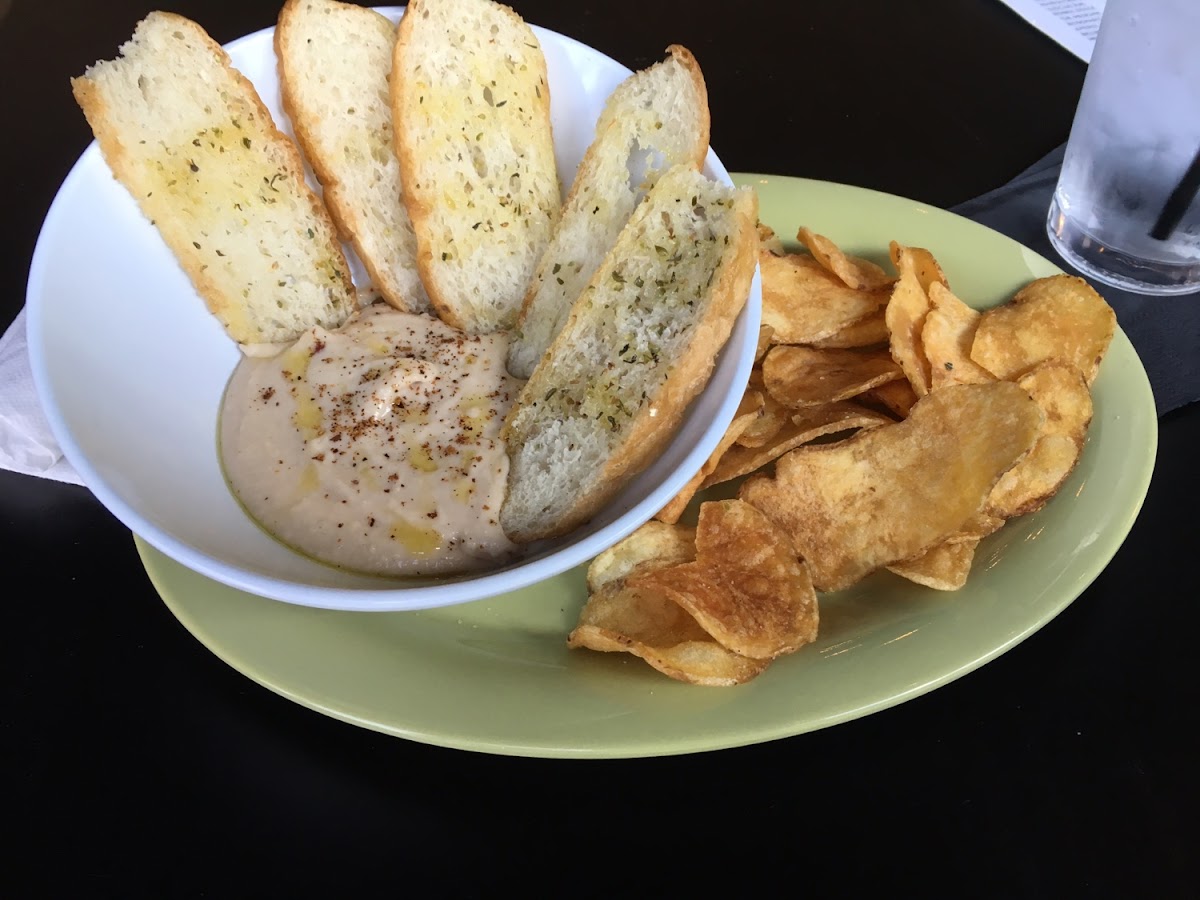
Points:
[(639, 344), (471, 115), (334, 63), (188, 136), (655, 119)]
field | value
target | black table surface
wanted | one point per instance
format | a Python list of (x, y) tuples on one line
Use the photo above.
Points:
[(138, 764)]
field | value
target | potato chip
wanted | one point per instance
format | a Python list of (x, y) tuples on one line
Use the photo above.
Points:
[(947, 336), (977, 527), (655, 628), (746, 588), (805, 376), (860, 274), (654, 543), (765, 338), (891, 493), (905, 316), (771, 418), (1061, 391), (747, 412), (1058, 317), (896, 396), (924, 266), (803, 302), (805, 427), (1026, 489), (769, 241), (944, 567), (869, 331), (647, 623)]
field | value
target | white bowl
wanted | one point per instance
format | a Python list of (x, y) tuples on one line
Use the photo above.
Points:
[(130, 368)]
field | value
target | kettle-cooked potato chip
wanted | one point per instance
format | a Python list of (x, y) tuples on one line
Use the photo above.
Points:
[(977, 527), (891, 493), (766, 335), (860, 274), (803, 302), (805, 376), (1028, 488), (647, 623), (869, 331), (653, 544), (746, 587), (905, 316), (896, 396), (944, 567), (947, 336), (924, 265), (1061, 391), (655, 628), (747, 412), (771, 417), (769, 242), (805, 427), (1058, 317)]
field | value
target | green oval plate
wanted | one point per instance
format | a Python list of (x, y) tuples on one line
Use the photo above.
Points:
[(496, 675)]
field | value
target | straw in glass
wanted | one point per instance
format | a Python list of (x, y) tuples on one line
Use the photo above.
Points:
[(1177, 204)]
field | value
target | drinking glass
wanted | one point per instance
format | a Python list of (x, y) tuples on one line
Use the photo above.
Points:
[(1124, 210)]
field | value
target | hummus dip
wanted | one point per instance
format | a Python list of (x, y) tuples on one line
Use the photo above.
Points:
[(376, 447)]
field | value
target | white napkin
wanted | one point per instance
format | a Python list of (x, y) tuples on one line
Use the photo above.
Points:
[(26, 442)]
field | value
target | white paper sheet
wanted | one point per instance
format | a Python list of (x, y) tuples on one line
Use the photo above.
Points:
[(26, 443), (1070, 23)]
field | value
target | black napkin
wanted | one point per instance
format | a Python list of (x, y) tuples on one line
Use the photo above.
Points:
[(1165, 331)]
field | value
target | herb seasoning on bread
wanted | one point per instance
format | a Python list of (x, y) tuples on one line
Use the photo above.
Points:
[(639, 345), (654, 119)]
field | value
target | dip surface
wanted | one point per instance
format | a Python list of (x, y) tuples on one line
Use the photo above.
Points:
[(376, 447)]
